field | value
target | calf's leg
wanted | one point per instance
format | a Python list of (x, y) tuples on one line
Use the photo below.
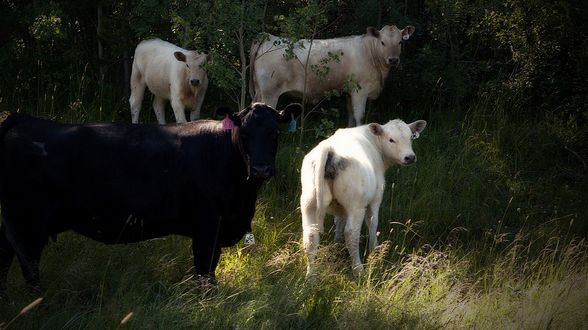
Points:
[(178, 109), (311, 236), (371, 220), (159, 109), (137, 94), (339, 229), (357, 107), (352, 232), (195, 113)]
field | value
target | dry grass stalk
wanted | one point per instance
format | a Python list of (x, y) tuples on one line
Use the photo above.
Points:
[(126, 318), (23, 311), (30, 306)]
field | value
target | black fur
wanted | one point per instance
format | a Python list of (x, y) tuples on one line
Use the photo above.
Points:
[(122, 183)]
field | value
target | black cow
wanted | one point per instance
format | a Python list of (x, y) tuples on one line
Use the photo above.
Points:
[(121, 183)]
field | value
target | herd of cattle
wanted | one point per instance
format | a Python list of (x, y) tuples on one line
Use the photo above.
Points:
[(128, 182)]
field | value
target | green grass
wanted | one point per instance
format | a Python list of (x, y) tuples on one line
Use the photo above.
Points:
[(485, 231)]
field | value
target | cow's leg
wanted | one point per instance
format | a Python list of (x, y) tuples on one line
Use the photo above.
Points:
[(178, 107), (159, 109), (6, 256), (206, 255), (195, 113), (29, 257), (352, 232), (310, 236), (358, 107), (137, 93), (339, 229)]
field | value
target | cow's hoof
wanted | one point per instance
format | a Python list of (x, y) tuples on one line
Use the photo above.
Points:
[(205, 282)]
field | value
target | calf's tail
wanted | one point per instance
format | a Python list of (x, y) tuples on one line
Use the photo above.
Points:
[(322, 190)]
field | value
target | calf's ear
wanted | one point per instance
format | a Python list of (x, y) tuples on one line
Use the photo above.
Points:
[(292, 111), (376, 129), (180, 56), (417, 127), (407, 32)]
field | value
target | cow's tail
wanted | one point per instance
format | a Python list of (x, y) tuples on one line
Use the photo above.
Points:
[(321, 188), (252, 58), (7, 121)]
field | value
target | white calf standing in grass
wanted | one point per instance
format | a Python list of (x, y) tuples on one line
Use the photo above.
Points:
[(171, 73), (344, 176)]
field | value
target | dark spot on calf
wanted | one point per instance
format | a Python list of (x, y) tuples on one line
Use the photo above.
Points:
[(334, 165)]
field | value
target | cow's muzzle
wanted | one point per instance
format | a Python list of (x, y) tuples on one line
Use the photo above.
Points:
[(393, 61), (261, 172), (409, 159), (194, 82)]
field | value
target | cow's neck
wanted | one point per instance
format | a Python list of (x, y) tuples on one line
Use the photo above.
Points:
[(381, 68)]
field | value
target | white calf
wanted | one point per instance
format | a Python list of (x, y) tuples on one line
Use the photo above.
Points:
[(171, 73), (344, 176)]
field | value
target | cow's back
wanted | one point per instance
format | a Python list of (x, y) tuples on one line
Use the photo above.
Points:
[(106, 174), (155, 60), (342, 56)]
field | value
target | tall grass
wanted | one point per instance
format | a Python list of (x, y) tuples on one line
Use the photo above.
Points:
[(485, 231)]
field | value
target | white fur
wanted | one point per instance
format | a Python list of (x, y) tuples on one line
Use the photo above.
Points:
[(156, 67), (355, 194), (364, 59)]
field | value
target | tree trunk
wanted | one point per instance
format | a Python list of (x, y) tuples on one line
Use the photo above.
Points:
[(242, 57), (100, 47)]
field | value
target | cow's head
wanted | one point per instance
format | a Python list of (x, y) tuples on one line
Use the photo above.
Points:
[(195, 74), (387, 42), (395, 140), (257, 129)]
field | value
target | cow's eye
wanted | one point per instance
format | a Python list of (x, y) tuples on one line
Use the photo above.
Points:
[(391, 141), (383, 44), (187, 66)]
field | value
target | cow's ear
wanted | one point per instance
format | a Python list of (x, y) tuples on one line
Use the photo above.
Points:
[(407, 32), (291, 112), (180, 56), (372, 31), (417, 127), (226, 112), (376, 129), (208, 59)]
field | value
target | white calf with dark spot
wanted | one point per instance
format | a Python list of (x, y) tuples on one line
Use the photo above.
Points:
[(171, 73), (344, 176)]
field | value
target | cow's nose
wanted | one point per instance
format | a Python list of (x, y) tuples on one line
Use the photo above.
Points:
[(261, 172), (194, 82), (409, 159), (393, 60)]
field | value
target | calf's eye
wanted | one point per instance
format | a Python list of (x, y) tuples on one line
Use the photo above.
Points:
[(391, 141), (383, 44)]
